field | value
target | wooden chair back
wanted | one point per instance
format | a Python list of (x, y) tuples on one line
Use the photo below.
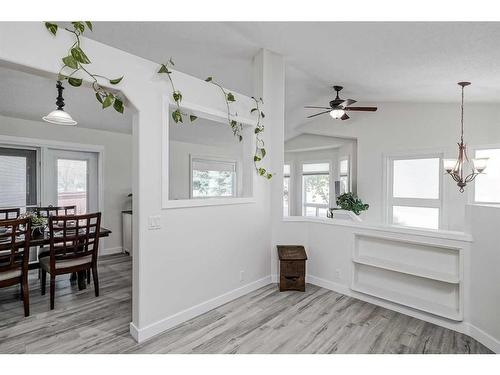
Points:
[(15, 239), (54, 211), (9, 213), (73, 237)]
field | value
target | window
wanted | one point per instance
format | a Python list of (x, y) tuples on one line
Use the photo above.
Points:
[(344, 176), (72, 184), (487, 185), (316, 189), (213, 178), (286, 190), (18, 182), (415, 192)]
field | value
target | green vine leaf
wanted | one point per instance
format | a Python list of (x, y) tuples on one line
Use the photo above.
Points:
[(177, 96), (79, 55), (118, 105), (79, 26), (108, 101), (52, 27), (116, 80), (230, 97), (70, 62), (98, 97), (192, 118), (89, 25), (75, 82), (164, 69), (208, 79)]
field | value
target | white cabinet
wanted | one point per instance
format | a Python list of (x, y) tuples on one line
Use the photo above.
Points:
[(127, 231)]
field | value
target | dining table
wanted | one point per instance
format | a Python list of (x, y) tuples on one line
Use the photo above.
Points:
[(38, 239)]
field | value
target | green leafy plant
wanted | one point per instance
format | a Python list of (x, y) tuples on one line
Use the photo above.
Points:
[(260, 151), (36, 221), (229, 98), (77, 61), (178, 114), (350, 202)]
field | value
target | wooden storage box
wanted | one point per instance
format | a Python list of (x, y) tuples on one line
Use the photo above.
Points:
[(292, 267)]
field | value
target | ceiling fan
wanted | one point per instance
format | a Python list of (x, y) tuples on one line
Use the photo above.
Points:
[(339, 107)]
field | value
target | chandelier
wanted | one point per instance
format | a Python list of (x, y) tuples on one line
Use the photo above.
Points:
[(456, 168)]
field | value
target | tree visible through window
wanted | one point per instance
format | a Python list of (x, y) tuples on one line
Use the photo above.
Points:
[(213, 178), (316, 189)]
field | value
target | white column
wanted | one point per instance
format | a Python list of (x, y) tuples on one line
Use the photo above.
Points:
[(269, 83)]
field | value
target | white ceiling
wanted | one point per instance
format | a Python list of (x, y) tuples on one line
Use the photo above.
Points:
[(27, 96), (375, 61)]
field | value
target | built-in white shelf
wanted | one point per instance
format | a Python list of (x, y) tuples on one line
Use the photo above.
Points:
[(408, 269), (418, 274), (433, 307)]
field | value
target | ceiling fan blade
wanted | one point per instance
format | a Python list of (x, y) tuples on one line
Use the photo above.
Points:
[(365, 109), (311, 106), (317, 114), (344, 116), (347, 102)]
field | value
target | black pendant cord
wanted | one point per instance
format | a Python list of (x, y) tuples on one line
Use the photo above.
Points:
[(462, 117), (60, 99)]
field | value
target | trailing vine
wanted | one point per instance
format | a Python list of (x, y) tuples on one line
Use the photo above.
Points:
[(229, 98), (75, 62), (260, 151), (178, 114)]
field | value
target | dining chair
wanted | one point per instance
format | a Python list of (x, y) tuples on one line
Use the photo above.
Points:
[(15, 238), (9, 213), (74, 244)]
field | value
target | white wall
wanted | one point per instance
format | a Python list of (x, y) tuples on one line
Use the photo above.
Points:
[(179, 166), (485, 263), (407, 127), (117, 173)]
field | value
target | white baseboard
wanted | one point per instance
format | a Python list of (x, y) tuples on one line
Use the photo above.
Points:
[(142, 334), (111, 250), (462, 327), (484, 338)]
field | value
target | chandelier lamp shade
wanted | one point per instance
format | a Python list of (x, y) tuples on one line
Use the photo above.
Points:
[(458, 168), (59, 116)]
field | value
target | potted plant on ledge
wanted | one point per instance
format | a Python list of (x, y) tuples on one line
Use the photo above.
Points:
[(348, 202)]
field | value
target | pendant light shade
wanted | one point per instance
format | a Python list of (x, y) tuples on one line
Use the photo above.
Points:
[(59, 116)]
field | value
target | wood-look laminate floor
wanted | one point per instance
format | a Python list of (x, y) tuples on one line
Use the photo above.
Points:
[(264, 321)]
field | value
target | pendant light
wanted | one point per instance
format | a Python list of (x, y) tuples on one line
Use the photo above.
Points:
[(59, 116), (456, 167)]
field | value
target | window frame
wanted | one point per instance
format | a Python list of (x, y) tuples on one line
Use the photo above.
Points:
[(290, 186), (472, 191), (391, 201), (208, 158), (348, 175), (34, 178), (317, 206)]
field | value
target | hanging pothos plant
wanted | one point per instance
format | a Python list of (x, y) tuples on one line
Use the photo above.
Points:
[(229, 98), (178, 114), (77, 61), (260, 151)]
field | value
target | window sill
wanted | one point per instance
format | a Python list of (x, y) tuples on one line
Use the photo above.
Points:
[(187, 203), (431, 233)]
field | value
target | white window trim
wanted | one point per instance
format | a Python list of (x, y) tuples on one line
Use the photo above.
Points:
[(210, 113), (471, 197), (390, 201), (330, 180), (208, 158)]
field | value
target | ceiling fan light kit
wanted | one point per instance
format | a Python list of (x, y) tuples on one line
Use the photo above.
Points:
[(456, 167), (338, 107)]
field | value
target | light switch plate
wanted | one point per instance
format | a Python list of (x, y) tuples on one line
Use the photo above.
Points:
[(154, 223)]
